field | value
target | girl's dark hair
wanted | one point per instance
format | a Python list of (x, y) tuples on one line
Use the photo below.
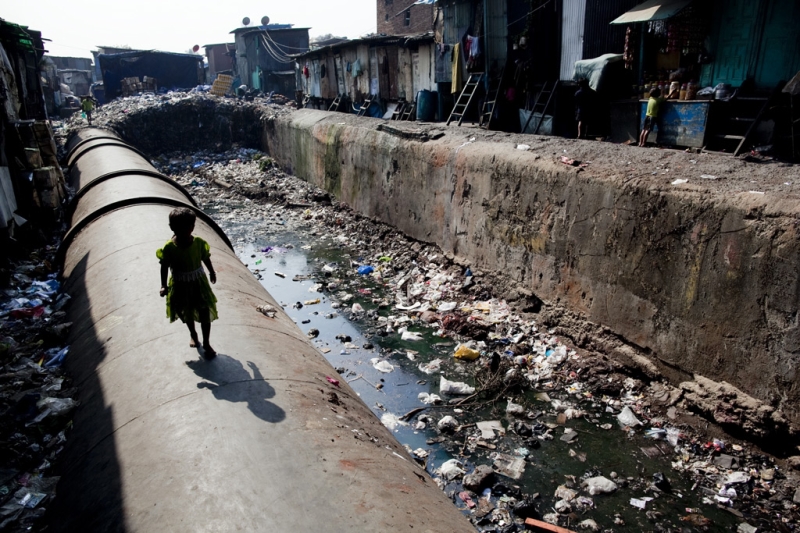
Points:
[(182, 218), (655, 93)]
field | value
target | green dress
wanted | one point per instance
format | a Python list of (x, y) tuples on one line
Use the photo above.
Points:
[(189, 295)]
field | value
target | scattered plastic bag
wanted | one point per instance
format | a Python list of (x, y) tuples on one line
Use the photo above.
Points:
[(515, 409), (433, 366), (409, 335), (627, 418), (455, 387), (429, 399), (267, 310), (451, 469), (57, 358), (383, 366), (466, 353), (392, 421), (57, 406), (599, 485), (363, 270)]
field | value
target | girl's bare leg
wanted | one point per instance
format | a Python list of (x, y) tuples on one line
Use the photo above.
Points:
[(193, 333), (205, 327)]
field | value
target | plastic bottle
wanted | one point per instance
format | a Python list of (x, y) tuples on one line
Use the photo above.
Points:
[(691, 90), (683, 92)]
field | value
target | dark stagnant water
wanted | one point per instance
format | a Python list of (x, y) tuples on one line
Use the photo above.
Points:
[(549, 466)]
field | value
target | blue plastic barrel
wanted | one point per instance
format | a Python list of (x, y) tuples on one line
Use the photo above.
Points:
[(426, 105)]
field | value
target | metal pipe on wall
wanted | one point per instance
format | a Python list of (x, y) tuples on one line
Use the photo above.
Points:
[(255, 440)]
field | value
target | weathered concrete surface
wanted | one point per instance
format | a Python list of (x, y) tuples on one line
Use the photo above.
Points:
[(696, 278)]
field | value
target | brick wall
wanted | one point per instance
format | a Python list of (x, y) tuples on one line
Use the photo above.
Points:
[(417, 19)]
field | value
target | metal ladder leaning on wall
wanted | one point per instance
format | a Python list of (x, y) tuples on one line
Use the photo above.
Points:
[(487, 113), (540, 106), (365, 106), (335, 104), (465, 98), (408, 110)]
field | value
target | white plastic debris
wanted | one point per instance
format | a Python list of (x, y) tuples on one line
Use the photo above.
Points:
[(599, 485), (509, 466), (382, 366), (429, 399), (640, 503), (391, 421), (454, 387), (737, 477), (451, 469), (409, 335), (564, 493), (627, 418), (680, 181), (514, 408), (447, 423), (433, 366), (446, 306), (490, 429)]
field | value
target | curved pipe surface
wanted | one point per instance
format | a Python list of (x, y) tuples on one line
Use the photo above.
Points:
[(254, 440), (123, 174)]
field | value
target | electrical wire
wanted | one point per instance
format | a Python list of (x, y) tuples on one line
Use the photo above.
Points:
[(528, 14), (280, 58)]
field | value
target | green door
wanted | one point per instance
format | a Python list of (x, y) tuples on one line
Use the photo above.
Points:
[(779, 53), (736, 32)]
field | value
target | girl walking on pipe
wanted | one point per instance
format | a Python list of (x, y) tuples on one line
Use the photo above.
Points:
[(189, 296)]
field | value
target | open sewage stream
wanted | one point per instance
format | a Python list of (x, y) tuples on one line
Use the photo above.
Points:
[(511, 421)]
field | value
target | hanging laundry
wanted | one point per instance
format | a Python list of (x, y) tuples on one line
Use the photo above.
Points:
[(306, 72), (356, 70), (347, 68), (472, 50), (458, 69)]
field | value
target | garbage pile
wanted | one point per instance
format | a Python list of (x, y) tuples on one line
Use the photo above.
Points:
[(508, 390), (36, 397), (197, 120)]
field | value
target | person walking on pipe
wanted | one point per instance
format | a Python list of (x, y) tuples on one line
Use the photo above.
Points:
[(88, 104), (189, 296)]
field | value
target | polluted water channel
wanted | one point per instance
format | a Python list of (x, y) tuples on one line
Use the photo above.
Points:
[(583, 469)]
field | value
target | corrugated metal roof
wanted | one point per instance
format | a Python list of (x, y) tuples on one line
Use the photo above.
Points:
[(370, 39), (652, 10)]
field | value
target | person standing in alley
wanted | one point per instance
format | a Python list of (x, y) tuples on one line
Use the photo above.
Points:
[(189, 296), (651, 118), (584, 107), (87, 106)]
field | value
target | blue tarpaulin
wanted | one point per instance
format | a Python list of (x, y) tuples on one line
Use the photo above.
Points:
[(171, 71)]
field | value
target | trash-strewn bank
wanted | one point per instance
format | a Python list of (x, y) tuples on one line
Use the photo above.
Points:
[(506, 393), (681, 263), (764, 498), (36, 397)]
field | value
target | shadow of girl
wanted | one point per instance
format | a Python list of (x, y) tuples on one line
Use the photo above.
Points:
[(228, 380)]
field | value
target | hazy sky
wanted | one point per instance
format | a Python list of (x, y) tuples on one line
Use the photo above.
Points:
[(76, 27)]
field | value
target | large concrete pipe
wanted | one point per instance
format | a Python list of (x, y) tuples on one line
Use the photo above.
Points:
[(255, 440)]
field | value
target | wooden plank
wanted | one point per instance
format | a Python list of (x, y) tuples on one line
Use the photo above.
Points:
[(538, 525)]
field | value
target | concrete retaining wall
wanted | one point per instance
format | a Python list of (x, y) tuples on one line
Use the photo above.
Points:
[(695, 279)]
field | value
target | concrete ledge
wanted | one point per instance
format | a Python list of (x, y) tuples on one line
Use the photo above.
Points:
[(698, 277)]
